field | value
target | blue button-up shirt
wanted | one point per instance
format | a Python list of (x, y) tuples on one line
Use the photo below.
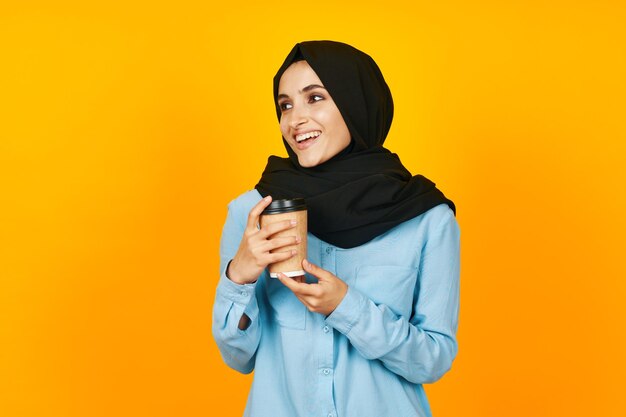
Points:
[(393, 331)]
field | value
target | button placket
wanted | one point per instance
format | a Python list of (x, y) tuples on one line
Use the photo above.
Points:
[(328, 259), (326, 342)]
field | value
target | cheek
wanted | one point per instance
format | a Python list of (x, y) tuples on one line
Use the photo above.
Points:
[(339, 128), (283, 127)]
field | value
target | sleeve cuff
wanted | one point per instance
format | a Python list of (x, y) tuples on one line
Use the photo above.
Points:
[(345, 316), (237, 293)]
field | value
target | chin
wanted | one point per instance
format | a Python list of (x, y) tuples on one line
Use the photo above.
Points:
[(308, 163)]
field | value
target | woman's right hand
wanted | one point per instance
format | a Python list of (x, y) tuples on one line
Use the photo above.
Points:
[(253, 255)]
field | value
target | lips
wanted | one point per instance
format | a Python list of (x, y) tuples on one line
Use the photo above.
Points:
[(306, 135), (307, 143), (306, 139)]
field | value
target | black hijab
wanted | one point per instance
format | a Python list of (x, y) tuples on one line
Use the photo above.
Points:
[(364, 190)]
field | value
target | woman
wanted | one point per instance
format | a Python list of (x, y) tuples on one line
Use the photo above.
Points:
[(376, 316)]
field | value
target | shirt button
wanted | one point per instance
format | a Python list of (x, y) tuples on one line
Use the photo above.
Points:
[(329, 250), (326, 371), (330, 415), (326, 329), (244, 293)]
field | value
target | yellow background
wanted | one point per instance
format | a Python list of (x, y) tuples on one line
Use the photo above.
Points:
[(126, 128)]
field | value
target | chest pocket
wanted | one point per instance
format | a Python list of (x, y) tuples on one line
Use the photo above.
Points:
[(285, 308), (391, 285)]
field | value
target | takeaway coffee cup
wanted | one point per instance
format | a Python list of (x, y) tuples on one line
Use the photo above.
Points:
[(280, 210)]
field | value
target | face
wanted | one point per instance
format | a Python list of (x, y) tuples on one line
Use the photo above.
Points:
[(310, 121)]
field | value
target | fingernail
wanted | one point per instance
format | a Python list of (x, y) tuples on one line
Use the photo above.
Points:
[(267, 198), (293, 252), (293, 222), (305, 263), (298, 239)]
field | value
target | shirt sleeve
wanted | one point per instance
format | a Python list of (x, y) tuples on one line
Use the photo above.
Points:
[(238, 347), (422, 348)]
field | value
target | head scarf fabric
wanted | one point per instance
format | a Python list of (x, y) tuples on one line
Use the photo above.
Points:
[(364, 190)]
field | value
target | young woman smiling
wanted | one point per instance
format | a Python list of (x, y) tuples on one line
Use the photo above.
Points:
[(375, 316)]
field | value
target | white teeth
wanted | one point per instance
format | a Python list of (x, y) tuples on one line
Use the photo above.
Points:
[(304, 136)]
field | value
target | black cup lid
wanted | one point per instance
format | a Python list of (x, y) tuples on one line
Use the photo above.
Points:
[(285, 206)]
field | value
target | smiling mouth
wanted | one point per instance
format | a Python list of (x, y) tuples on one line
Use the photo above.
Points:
[(306, 140), (308, 135)]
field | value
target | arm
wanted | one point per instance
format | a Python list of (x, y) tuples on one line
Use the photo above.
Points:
[(245, 251), (232, 300), (420, 349)]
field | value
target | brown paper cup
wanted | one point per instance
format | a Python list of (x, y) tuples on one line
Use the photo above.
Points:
[(291, 267)]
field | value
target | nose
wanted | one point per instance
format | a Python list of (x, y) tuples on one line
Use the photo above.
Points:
[(299, 116)]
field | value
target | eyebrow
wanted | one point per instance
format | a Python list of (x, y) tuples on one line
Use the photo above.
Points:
[(304, 90)]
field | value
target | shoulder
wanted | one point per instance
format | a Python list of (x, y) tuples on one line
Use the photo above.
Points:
[(418, 231), (442, 227), (243, 203), (430, 226), (432, 220), (250, 197), (438, 217)]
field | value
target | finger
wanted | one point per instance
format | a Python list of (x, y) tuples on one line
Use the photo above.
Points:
[(280, 256), (316, 271), (255, 212), (279, 242), (298, 288), (273, 228)]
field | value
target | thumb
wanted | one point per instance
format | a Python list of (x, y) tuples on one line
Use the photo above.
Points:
[(314, 270)]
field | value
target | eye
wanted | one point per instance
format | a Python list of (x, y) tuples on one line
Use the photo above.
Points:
[(315, 97), (284, 106)]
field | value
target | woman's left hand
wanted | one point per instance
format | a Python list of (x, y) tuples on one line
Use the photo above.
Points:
[(321, 297)]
